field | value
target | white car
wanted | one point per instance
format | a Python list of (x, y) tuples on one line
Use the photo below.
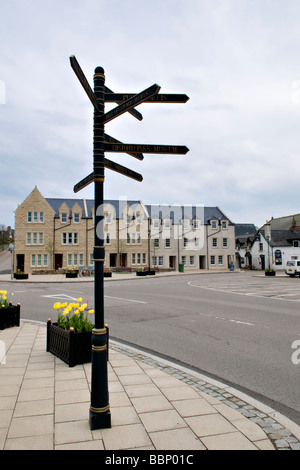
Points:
[(293, 268)]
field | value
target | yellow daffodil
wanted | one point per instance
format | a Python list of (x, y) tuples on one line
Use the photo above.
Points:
[(91, 311), (79, 300), (57, 305)]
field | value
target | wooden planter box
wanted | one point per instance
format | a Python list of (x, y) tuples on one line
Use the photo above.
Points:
[(270, 273), (141, 273), (107, 274), (20, 276), (9, 316), (72, 348)]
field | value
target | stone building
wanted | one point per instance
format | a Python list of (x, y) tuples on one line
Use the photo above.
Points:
[(54, 234)]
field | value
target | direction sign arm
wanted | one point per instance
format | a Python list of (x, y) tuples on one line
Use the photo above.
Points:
[(81, 77), (131, 103), (133, 112)]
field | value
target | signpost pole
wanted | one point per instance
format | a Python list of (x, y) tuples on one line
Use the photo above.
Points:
[(99, 409)]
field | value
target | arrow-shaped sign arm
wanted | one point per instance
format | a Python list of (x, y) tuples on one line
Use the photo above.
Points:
[(131, 103), (82, 78), (133, 112)]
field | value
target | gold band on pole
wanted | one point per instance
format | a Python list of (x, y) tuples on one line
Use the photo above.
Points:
[(99, 332), (99, 410), (99, 348)]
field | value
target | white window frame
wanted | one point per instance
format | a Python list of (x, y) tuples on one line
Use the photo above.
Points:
[(64, 217)]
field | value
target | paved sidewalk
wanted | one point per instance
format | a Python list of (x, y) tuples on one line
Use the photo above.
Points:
[(155, 405)]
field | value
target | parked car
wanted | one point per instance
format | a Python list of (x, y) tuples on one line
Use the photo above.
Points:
[(293, 268)]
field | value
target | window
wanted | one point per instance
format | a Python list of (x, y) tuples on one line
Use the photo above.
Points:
[(185, 242), (81, 260), (296, 244), (186, 224), (133, 258), (224, 224), (160, 261), (29, 217), (154, 260), (138, 218), (261, 247), (63, 217), (41, 218), (155, 223), (133, 238), (128, 239), (192, 260), (214, 242), (213, 260), (138, 258), (34, 238), (144, 258), (183, 260), (214, 224), (168, 243), (138, 239), (75, 259), (167, 223), (28, 238), (70, 238), (76, 218), (156, 242), (225, 242), (197, 242), (108, 218), (41, 238), (220, 259), (91, 263), (39, 260), (35, 217), (70, 260), (196, 223)]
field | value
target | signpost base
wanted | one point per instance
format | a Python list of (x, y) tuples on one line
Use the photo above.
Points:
[(100, 420)]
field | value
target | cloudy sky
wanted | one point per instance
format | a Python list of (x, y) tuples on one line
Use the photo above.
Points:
[(237, 60)]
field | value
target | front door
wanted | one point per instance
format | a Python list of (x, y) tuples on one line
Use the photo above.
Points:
[(58, 260), (20, 262)]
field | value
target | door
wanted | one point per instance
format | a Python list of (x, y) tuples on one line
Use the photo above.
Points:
[(20, 262), (113, 260), (202, 264), (123, 260), (58, 260)]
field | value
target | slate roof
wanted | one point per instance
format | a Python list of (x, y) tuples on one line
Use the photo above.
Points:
[(177, 213)]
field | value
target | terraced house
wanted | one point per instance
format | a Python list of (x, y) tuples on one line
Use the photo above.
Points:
[(53, 234)]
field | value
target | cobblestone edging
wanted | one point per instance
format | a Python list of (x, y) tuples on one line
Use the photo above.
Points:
[(281, 437)]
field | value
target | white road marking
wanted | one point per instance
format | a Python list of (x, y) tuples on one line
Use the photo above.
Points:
[(59, 296), (128, 300)]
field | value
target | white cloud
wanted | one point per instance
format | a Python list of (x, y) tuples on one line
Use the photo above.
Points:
[(237, 60)]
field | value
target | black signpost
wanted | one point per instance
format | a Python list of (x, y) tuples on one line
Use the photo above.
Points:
[(99, 409)]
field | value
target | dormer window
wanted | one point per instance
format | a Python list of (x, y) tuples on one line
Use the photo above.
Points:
[(214, 224), (224, 224), (63, 217), (76, 217)]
